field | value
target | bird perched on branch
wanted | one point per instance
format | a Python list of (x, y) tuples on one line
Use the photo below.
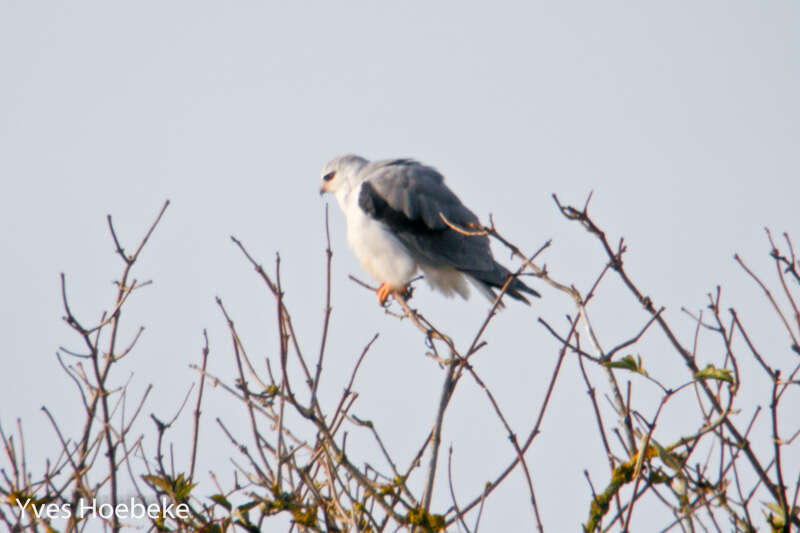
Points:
[(401, 217)]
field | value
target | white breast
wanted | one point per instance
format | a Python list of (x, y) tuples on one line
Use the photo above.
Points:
[(379, 251)]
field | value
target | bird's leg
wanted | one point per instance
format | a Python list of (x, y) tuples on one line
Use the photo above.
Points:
[(383, 293), (385, 290)]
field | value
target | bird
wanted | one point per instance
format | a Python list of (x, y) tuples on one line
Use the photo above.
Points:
[(402, 218)]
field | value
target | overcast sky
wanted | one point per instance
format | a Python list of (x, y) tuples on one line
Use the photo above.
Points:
[(682, 117)]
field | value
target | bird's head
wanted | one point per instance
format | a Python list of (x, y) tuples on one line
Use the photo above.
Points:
[(339, 176)]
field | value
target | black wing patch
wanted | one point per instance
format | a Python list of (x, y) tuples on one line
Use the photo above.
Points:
[(378, 208), (435, 246), (411, 209)]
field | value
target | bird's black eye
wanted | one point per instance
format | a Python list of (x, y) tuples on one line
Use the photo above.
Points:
[(329, 176)]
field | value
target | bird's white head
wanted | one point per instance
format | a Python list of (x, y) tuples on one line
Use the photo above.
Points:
[(340, 176)]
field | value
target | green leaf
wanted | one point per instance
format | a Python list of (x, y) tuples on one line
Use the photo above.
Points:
[(669, 459), (159, 482), (628, 363), (183, 488), (712, 372), (245, 507), (745, 527), (777, 520), (222, 500)]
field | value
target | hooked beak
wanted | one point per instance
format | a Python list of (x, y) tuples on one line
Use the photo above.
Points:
[(322, 190)]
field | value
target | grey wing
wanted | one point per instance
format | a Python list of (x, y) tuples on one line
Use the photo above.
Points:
[(409, 197)]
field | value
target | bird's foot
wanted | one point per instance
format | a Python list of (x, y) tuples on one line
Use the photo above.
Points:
[(383, 293), (385, 290)]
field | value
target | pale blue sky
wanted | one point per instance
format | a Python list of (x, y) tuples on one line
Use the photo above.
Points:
[(683, 117)]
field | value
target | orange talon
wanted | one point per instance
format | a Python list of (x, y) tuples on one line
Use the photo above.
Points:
[(383, 293), (385, 290)]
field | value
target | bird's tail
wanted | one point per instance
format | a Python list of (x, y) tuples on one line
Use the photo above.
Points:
[(488, 281)]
